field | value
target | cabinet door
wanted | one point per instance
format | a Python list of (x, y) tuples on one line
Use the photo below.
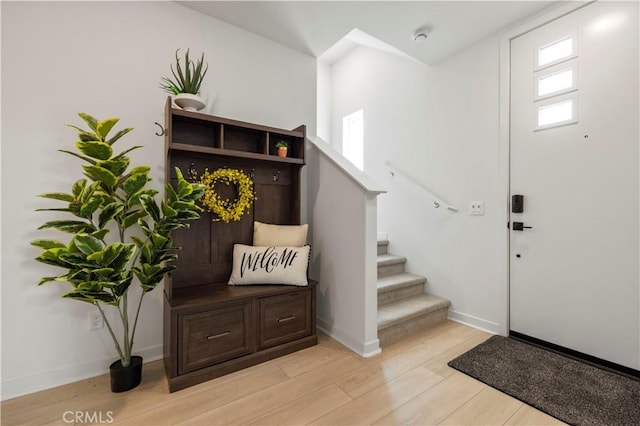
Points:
[(284, 318), (214, 336)]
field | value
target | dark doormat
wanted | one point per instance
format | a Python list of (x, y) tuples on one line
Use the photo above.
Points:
[(572, 391)]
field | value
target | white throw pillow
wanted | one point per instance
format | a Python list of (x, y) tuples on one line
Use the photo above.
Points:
[(266, 235), (269, 265)]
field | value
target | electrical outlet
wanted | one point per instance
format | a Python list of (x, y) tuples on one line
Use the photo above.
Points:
[(476, 208), (95, 320)]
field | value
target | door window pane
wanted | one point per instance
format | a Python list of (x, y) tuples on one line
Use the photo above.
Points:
[(555, 52), (556, 82), (556, 114)]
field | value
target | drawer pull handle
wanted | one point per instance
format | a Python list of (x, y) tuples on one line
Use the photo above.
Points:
[(287, 318), (215, 336)]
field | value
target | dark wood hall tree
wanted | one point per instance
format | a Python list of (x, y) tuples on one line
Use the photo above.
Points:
[(210, 328)]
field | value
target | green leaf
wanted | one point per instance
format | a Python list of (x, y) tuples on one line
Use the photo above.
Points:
[(102, 175), (48, 244), (88, 244), (145, 253), (78, 186), (132, 218), (168, 211), (91, 297), (78, 260), (90, 286), (198, 191), (58, 196), (110, 211), (169, 86), (76, 295), (88, 191), (100, 234), (140, 169), (135, 198), (139, 241), (83, 134), (90, 207), (120, 262), (87, 159), (95, 149), (47, 280), (144, 226), (65, 209), (117, 167), (97, 257), (187, 215), (107, 255), (159, 241), (118, 135), (92, 122), (183, 205), (52, 257), (170, 193), (126, 151), (135, 183), (184, 188), (149, 205), (105, 126), (72, 226), (122, 286), (104, 272)]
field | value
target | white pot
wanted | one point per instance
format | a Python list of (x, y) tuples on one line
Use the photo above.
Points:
[(189, 102)]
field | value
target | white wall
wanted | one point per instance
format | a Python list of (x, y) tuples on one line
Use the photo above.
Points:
[(106, 58), (438, 124), (343, 201), (324, 101)]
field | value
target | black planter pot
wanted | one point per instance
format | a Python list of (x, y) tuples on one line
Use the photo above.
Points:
[(126, 378)]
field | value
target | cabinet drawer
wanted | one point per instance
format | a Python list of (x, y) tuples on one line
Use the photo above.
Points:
[(213, 336), (284, 318)]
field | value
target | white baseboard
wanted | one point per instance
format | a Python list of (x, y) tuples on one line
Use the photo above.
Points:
[(364, 349), (475, 322), (73, 373)]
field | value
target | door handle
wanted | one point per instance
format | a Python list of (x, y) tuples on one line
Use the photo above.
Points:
[(519, 226)]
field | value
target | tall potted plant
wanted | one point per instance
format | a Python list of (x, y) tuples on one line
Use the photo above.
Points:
[(119, 233), (186, 83)]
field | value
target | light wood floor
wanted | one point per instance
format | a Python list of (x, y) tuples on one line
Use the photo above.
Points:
[(409, 383)]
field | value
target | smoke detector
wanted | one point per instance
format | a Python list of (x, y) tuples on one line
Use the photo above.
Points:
[(419, 35)]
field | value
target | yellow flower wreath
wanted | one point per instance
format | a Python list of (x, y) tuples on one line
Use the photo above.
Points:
[(227, 210)]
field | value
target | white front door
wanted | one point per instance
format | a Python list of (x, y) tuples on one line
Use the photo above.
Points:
[(574, 275)]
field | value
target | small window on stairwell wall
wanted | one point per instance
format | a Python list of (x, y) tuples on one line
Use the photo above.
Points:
[(353, 138)]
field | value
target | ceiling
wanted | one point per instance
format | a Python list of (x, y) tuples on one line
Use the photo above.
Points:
[(312, 27)]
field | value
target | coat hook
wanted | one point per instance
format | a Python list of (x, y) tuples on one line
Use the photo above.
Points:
[(276, 176), (163, 132)]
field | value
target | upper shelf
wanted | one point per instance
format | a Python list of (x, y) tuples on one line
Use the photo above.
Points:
[(201, 133), (232, 153)]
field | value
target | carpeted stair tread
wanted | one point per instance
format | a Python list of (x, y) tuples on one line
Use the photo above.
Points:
[(406, 309), (390, 259), (383, 245), (393, 282)]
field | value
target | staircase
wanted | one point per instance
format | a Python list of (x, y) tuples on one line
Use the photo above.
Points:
[(403, 305)]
